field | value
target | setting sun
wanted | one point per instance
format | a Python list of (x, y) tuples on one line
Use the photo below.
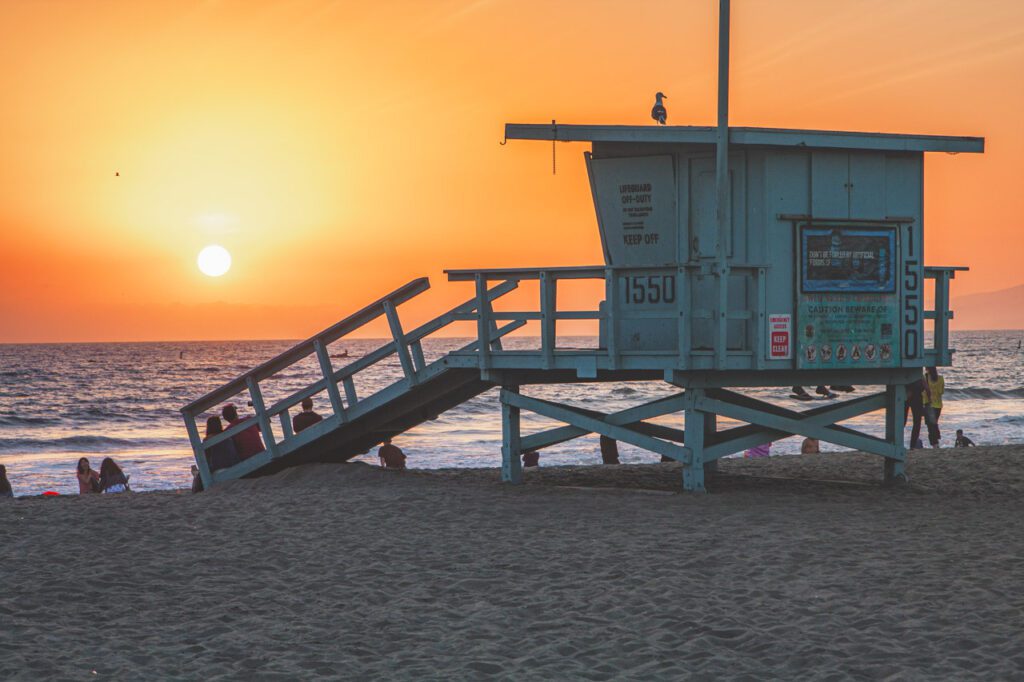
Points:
[(214, 260)]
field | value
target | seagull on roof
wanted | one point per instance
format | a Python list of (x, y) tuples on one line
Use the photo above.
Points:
[(658, 112)]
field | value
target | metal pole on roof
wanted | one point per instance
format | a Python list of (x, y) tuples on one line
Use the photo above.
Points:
[(722, 180), (722, 137)]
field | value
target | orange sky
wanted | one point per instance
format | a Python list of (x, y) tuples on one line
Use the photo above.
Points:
[(339, 149)]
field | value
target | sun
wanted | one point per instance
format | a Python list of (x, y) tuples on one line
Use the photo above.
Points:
[(214, 260)]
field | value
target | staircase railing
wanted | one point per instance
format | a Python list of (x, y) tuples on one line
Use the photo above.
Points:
[(407, 345)]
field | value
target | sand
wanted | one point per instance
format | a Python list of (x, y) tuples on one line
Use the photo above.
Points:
[(792, 568)]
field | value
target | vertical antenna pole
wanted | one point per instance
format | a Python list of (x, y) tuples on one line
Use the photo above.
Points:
[(554, 136), (723, 194)]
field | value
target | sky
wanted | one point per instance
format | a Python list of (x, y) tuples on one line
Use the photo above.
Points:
[(341, 149)]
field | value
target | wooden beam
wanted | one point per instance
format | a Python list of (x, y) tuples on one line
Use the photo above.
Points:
[(327, 371), (573, 416), (511, 448)]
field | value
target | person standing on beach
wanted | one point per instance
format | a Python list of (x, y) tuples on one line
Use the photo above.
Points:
[(391, 456), (934, 387), (531, 458), (5, 485), (915, 405), (609, 450), (112, 479), (306, 418), (247, 442), (88, 478)]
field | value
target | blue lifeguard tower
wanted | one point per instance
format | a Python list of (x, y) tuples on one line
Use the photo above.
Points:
[(734, 258)]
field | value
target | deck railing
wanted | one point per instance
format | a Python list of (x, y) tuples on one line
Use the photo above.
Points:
[(407, 345), (678, 309), (939, 353)]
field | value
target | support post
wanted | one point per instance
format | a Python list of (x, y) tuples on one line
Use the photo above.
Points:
[(511, 448), (611, 309), (722, 190), (483, 323), (695, 430), (894, 470), (548, 298), (710, 436)]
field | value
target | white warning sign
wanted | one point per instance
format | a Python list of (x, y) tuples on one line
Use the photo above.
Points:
[(780, 336)]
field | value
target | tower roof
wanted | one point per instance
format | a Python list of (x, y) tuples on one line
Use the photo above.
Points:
[(761, 137)]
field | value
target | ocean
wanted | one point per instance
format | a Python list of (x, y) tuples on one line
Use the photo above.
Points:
[(59, 402)]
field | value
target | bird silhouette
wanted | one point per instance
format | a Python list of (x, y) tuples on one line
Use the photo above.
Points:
[(658, 112), (117, 175)]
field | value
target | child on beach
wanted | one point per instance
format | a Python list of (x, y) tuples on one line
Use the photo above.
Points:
[(963, 441), (5, 485), (112, 479), (88, 478)]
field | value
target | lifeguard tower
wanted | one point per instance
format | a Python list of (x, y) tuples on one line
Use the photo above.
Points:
[(734, 258)]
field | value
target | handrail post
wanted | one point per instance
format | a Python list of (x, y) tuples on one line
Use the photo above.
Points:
[(350, 391), (548, 301), (942, 317), (261, 416), (327, 369), (418, 361), (483, 322), (611, 308), (286, 424), (198, 450), (398, 335)]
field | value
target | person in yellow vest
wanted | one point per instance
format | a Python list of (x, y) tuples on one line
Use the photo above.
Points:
[(934, 387)]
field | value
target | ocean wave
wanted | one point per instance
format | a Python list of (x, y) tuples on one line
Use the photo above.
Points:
[(982, 393), (85, 444), (14, 420)]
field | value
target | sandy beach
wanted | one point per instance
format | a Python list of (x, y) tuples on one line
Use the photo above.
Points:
[(793, 567)]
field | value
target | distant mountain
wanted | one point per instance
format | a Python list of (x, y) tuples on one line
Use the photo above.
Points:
[(1003, 309)]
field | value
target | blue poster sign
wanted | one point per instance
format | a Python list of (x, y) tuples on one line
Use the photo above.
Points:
[(847, 259)]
